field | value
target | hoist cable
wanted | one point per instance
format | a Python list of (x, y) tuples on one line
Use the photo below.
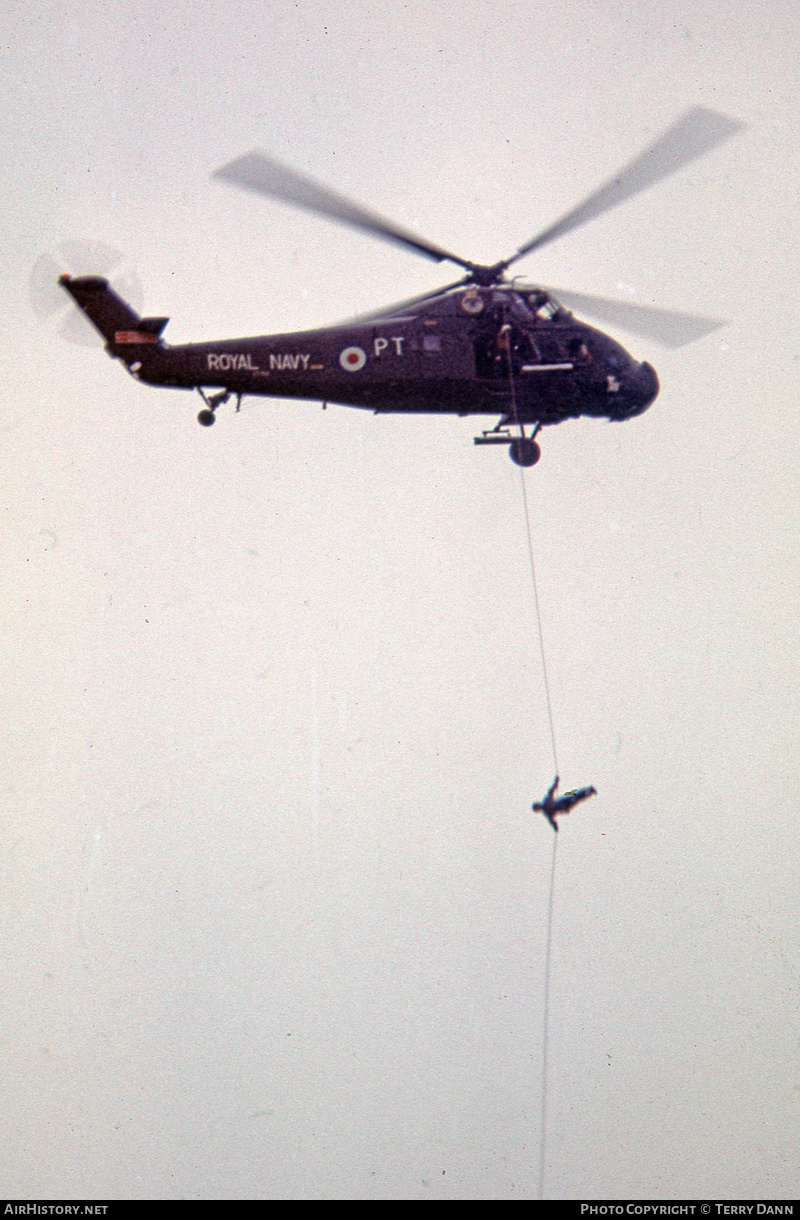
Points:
[(549, 942), (505, 340), (539, 621), (548, 949)]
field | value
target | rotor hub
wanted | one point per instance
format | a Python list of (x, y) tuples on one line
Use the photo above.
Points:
[(485, 277)]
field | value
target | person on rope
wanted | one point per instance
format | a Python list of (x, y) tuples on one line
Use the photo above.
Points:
[(553, 805)]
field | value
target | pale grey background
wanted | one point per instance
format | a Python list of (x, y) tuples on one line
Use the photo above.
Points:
[(274, 903)]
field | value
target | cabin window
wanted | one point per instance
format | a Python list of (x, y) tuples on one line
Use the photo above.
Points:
[(549, 350), (579, 351), (431, 344)]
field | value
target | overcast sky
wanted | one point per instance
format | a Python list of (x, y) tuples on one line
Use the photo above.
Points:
[(274, 901)]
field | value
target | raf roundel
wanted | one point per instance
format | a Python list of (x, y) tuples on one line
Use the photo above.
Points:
[(353, 359)]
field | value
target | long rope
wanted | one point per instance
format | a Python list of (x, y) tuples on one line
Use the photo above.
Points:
[(549, 944), (505, 341), (545, 1037), (539, 621), (548, 949)]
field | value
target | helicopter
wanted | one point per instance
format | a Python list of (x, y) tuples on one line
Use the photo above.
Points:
[(483, 345)]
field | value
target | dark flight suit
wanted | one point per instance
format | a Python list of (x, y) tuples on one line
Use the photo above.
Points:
[(553, 805)]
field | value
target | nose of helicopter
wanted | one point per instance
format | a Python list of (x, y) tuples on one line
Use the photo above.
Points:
[(643, 389)]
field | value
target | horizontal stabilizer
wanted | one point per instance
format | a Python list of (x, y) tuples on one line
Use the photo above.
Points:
[(152, 326)]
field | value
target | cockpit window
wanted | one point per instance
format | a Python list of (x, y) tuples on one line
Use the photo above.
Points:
[(543, 306)]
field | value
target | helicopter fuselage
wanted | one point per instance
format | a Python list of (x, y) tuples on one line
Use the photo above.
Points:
[(482, 345), (480, 351)]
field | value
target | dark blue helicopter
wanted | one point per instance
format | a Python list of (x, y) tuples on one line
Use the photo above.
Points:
[(481, 346)]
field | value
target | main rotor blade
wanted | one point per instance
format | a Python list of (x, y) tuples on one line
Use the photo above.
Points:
[(256, 172), (697, 132), (666, 326), (400, 307)]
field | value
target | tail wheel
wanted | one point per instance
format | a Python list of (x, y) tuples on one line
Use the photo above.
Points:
[(524, 452), (206, 418)]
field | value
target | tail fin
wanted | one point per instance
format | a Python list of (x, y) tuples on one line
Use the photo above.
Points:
[(117, 322)]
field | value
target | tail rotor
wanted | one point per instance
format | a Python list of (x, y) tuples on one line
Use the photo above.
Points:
[(51, 304)]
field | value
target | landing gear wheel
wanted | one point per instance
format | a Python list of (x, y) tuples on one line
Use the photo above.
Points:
[(524, 452), (206, 418)]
